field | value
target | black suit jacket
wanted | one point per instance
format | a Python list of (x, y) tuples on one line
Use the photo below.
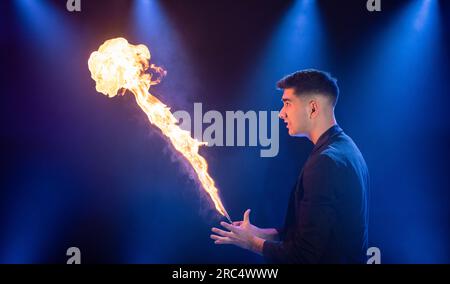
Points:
[(327, 216)]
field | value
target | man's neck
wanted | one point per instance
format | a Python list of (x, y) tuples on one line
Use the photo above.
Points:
[(320, 129)]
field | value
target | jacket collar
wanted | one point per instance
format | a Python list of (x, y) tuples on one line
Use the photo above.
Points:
[(326, 136)]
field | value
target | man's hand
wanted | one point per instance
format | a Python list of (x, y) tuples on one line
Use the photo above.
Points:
[(242, 234)]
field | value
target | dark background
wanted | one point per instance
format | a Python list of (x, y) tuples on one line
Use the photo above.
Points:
[(80, 169)]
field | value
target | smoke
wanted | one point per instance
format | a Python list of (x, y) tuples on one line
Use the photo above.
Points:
[(206, 207)]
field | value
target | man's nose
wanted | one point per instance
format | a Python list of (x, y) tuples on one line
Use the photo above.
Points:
[(282, 114)]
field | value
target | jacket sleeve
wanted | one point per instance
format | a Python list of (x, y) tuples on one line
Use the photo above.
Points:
[(289, 215), (316, 217)]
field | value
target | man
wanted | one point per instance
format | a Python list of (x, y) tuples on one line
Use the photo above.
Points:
[(327, 216)]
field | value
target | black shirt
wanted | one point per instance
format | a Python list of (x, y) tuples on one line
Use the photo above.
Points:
[(327, 216)]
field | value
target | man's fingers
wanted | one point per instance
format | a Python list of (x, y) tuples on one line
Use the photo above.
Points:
[(215, 237), (247, 215), (221, 232), (229, 227), (221, 240), (237, 223)]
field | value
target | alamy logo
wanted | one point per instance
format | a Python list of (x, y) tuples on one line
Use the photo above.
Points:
[(374, 255), (232, 129), (73, 5), (373, 5), (75, 255)]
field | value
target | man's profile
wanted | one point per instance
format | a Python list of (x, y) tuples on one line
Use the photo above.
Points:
[(327, 215)]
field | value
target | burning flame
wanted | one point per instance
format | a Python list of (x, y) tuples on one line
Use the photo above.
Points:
[(119, 66)]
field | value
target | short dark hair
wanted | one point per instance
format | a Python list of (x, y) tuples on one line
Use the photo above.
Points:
[(311, 81)]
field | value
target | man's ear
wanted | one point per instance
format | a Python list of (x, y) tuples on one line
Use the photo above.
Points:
[(314, 109)]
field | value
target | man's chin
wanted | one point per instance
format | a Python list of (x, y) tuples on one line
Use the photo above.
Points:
[(296, 134)]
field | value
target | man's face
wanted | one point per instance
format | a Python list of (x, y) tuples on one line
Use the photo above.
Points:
[(295, 113)]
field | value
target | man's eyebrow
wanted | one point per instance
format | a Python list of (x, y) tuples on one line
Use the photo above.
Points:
[(285, 100)]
